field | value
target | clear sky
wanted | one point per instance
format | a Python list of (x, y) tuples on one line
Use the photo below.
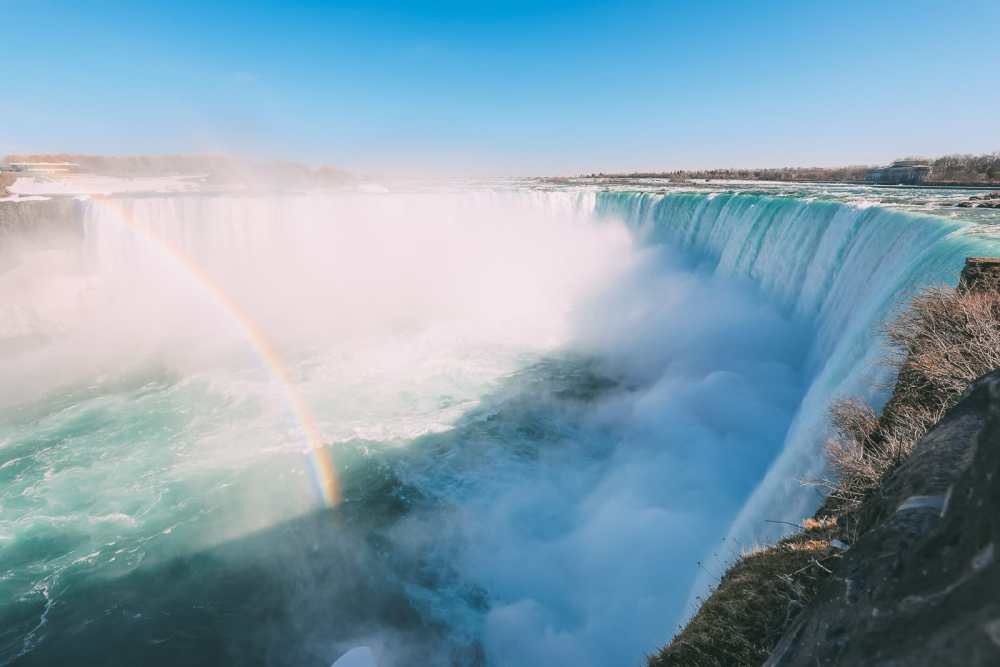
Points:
[(518, 87)]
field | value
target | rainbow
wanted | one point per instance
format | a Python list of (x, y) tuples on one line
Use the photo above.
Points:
[(322, 471)]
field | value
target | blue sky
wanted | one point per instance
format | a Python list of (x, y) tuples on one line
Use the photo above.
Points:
[(506, 88)]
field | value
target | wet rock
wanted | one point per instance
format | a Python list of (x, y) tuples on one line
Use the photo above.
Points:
[(988, 200)]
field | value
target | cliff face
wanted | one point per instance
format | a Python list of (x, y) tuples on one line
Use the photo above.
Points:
[(923, 586), (37, 225)]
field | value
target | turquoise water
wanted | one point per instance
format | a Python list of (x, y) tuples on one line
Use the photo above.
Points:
[(547, 404)]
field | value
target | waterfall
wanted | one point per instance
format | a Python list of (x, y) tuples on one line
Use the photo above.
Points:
[(843, 269), (840, 269), (547, 405)]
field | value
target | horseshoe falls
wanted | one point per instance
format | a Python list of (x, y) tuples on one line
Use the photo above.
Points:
[(506, 423)]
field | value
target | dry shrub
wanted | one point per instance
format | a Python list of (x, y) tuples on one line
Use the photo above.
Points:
[(944, 341)]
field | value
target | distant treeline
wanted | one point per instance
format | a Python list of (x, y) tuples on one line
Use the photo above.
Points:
[(947, 169), (966, 169), (854, 173)]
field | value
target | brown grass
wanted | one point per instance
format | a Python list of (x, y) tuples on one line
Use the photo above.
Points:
[(944, 341), (745, 616)]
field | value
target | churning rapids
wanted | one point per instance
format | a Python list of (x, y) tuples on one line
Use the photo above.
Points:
[(554, 413)]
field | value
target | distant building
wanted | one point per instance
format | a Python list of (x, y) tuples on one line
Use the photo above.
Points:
[(41, 167), (900, 172)]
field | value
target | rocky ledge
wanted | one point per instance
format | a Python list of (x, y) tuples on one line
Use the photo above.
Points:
[(923, 586), (988, 200)]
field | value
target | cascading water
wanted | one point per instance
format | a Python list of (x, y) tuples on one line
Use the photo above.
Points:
[(842, 269), (546, 407)]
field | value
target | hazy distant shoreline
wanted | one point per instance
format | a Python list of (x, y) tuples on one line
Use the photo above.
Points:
[(620, 178), (219, 173), (959, 171)]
